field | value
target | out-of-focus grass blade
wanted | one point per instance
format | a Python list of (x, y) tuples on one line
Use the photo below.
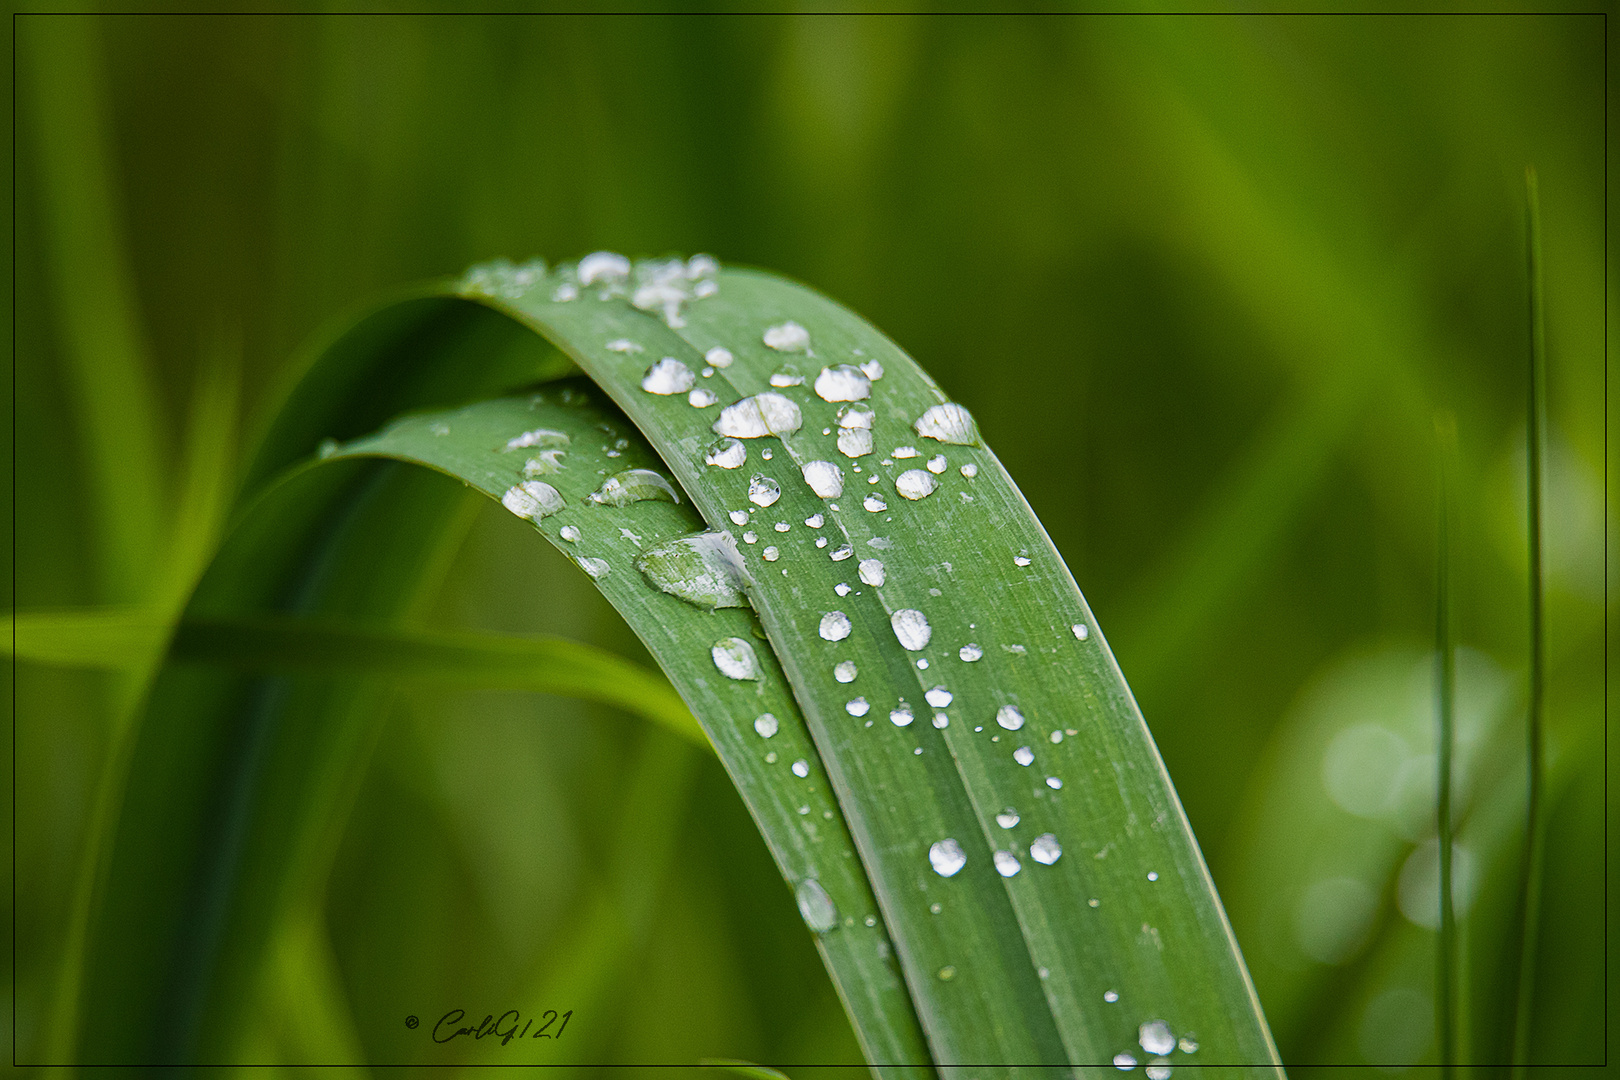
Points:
[(1048, 901), (742, 1068), (109, 638)]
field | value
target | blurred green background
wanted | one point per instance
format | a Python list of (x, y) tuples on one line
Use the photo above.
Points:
[(1204, 281)]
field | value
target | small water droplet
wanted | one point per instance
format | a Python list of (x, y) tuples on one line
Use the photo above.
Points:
[(1080, 631), (1155, 1037), (1158, 1069), (766, 725), (815, 521), (1046, 849), (922, 665), (701, 398), (1188, 1045), (937, 463), (824, 478), (875, 504), (1007, 863), (634, 485), (1024, 756), (871, 368), (948, 423), (969, 653), (782, 526), (770, 758), (623, 345), (1093, 902), (545, 463), (1057, 737), (842, 589), (843, 382), (821, 541), (750, 537), (539, 437), (1054, 783), (758, 416), (911, 628), (941, 720), (845, 671), (668, 376), (1007, 818), (857, 706), (939, 697), (819, 911), (787, 376), (905, 452), (1122, 1062), (735, 659), (970, 470), (901, 716), (947, 973), (738, 517), (603, 266), (835, 626), (915, 484), (597, 568), (854, 442), (569, 533), (873, 479), (788, 337), (1153, 875), (1010, 717), (533, 500), (871, 571), (935, 908), (763, 491), (842, 552), (719, 357), (947, 857), (801, 768), (565, 292), (1110, 996), (771, 554)]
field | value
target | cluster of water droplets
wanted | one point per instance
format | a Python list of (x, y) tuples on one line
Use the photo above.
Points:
[(501, 279), (1158, 1042)]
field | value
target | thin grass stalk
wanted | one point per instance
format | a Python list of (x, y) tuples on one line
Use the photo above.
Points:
[(1530, 869), (1445, 663)]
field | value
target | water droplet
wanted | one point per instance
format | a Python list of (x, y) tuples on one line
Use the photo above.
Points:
[(856, 418), (738, 517), (763, 491), (948, 423), (870, 920), (1155, 1037), (947, 857), (901, 715), (911, 628), (701, 398), (801, 768), (875, 504), (843, 382), (824, 478), (1021, 559), (569, 533), (872, 369), (545, 463), (770, 758), (842, 589), (728, 454), (719, 357), (788, 337), (854, 442), (771, 554), (1054, 783), (782, 526), (1010, 717), (1007, 863), (938, 697), (735, 659), (970, 470), (766, 725), (1158, 1069), (538, 437), (922, 665), (1046, 849), (597, 568), (788, 376), (941, 720), (1153, 875), (1057, 737), (565, 292), (871, 571), (1188, 1045), (915, 484), (1111, 997), (703, 569), (845, 671), (634, 485), (873, 479), (603, 266), (834, 626), (1080, 631), (947, 973), (857, 706), (969, 653), (1024, 756), (819, 911), (668, 376), (623, 345), (905, 452), (821, 541), (815, 521), (766, 453), (1122, 1062), (750, 537), (758, 416), (533, 500), (937, 463), (844, 551), (1093, 902)]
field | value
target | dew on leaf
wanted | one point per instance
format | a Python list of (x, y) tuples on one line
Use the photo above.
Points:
[(735, 659), (970, 470), (701, 398), (533, 499), (1054, 783), (1158, 1069), (668, 376), (1007, 818), (938, 697), (766, 725), (569, 533), (801, 768), (788, 337), (947, 857), (1122, 1062), (597, 568), (728, 454), (763, 491), (539, 437), (824, 478), (843, 382), (545, 463), (819, 911), (948, 423), (782, 526), (623, 345), (941, 720), (634, 485), (1007, 863), (842, 552), (845, 671), (1080, 631), (787, 376), (603, 266), (703, 569), (874, 504), (719, 357), (758, 416), (915, 484), (969, 653), (936, 464), (1046, 849), (871, 571), (854, 442), (857, 706), (815, 521), (911, 628), (1111, 996), (1024, 756), (1155, 1037), (738, 517), (771, 554), (901, 715), (835, 626)]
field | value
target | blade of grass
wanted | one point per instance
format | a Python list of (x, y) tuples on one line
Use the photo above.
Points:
[(1530, 874), (1445, 681)]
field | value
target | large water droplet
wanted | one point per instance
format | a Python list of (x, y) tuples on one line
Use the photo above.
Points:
[(1123, 1062), (901, 716), (835, 626), (788, 337), (1024, 756), (719, 357), (1010, 717), (597, 568), (856, 417), (701, 398), (824, 478), (763, 491), (1007, 863), (569, 533), (871, 571), (845, 671), (947, 857), (938, 697), (874, 504), (1007, 818), (857, 706), (545, 463), (1111, 996), (727, 454), (843, 382), (603, 266), (766, 725), (771, 554), (738, 517), (1155, 1037), (735, 659), (937, 463), (538, 437), (842, 552), (854, 442), (948, 423), (758, 416), (704, 569), (872, 368), (668, 376), (1046, 849), (911, 628), (634, 485), (533, 499), (915, 484), (819, 911), (970, 652)]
